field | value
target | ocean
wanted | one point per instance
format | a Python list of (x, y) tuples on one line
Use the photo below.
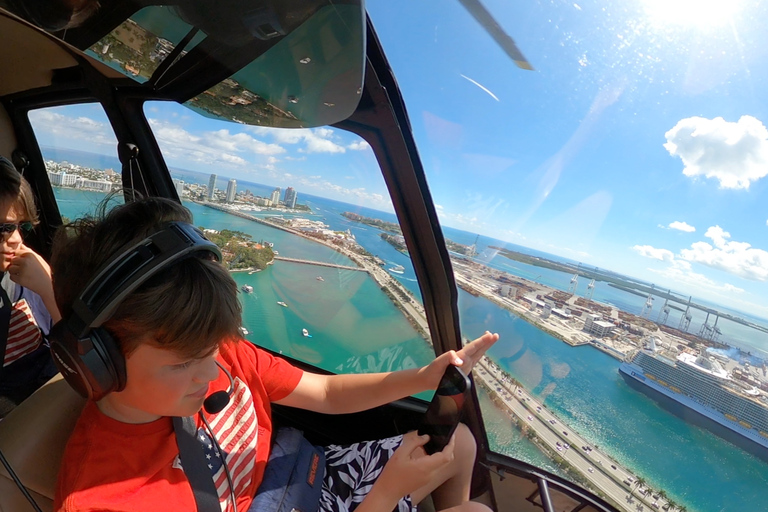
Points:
[(355, 327)]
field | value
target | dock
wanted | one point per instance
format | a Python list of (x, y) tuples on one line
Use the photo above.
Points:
[(319, 263)]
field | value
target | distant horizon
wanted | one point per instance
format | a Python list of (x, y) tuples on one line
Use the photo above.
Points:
[(205, 176)]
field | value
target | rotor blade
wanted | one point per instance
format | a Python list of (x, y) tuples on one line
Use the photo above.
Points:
[(493, 28)]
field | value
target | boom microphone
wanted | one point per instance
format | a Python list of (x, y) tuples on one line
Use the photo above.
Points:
[(218, 401)]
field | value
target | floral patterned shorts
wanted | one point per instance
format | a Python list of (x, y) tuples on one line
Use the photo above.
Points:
[(350, 472)]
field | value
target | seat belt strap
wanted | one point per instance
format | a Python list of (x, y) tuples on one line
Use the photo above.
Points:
[(194, 465), (5, 323)]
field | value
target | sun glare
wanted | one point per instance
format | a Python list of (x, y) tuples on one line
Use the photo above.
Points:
[(698, 13)]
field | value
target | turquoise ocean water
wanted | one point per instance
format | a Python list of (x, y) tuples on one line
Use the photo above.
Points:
[(355, 327)]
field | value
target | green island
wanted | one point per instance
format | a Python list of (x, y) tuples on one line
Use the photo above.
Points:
[(383, 225), (393, 234), (239, 251), (396, 241)]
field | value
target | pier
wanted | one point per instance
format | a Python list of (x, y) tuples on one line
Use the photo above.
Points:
[(319, 263)]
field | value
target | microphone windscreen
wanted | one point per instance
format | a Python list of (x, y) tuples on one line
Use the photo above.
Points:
[(216, 402)]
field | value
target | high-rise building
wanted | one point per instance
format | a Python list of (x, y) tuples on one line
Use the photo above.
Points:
[(290, 198), (179, 186), (275, 197), (231, 191), (212, 186)]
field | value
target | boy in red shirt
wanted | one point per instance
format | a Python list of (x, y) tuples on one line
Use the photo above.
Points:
[(174, 333)]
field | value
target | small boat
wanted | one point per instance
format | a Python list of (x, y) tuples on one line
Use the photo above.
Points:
[(247, 288), (275, 253), (320, 278), (306, 333), (397, 269), (244, 331), (281, 303)]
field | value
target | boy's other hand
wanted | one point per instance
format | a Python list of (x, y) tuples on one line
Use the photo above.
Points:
[(410, 468), (464, 358)]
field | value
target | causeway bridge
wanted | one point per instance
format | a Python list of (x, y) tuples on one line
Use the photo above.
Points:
[(319, 263)]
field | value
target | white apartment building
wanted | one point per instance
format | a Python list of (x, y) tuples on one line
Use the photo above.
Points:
[(179, 186), (212, 186), (100, 185), (596, 325), (231, 191), (62, 179)]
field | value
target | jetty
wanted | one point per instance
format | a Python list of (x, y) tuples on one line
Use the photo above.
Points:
[(319, 263)]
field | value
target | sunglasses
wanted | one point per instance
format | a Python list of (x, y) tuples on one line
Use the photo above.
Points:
[(7, 228)]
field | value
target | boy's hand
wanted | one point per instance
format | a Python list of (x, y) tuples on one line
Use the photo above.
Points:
[(464, 358), (31, 271), (410, 468)]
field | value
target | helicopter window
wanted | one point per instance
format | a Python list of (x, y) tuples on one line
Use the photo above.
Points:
[(606, 211), (293, 69), (79, 150), (327, 281), (141, 43)]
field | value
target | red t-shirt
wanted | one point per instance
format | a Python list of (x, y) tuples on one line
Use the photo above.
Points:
[(115, 466)]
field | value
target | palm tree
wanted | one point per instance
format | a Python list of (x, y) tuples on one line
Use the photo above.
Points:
[(640, 482)]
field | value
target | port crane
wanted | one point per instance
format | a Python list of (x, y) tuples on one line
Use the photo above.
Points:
[(648, 306), (664, 314), (685, 320), (590, 290), (574, 283)]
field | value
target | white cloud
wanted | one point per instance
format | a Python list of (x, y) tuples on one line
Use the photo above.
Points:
[(359, 145), (654, 253), (680, 272), (737, 258), (239, 142), (60, 126), (736, 154), (317, 140), (681, 226), (212, 148)]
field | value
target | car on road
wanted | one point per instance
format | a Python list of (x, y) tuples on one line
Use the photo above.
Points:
[(613, 466), (590, 469), (538, 408), (552, 422), (565, 433), (530, 418)]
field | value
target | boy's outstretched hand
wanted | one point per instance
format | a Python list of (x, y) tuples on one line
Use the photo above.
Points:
[(464, 358)]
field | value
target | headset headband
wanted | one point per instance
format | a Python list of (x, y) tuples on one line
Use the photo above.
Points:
[(130, 269)]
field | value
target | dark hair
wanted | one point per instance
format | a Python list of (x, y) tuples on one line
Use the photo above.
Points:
[(189, 308), (13, 187)]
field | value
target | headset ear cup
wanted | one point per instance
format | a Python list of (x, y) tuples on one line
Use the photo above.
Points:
[(93, 366), (108, 370), (64, 349), (115, 357)]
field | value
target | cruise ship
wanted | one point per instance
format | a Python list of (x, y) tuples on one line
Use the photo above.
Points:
[(701, 391)]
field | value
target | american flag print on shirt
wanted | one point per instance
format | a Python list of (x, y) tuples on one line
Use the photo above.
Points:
[(236, 430), (24, 335)]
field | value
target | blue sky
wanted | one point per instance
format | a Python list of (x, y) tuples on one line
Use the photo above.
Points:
[(637, 144)]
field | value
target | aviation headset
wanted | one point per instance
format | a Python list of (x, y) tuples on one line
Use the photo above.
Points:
[(85, 353)]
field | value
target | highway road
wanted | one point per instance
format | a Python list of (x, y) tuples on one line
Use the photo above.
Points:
[(603, 472)]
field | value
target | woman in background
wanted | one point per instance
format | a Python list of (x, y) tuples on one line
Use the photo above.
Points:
[(28, 308)]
